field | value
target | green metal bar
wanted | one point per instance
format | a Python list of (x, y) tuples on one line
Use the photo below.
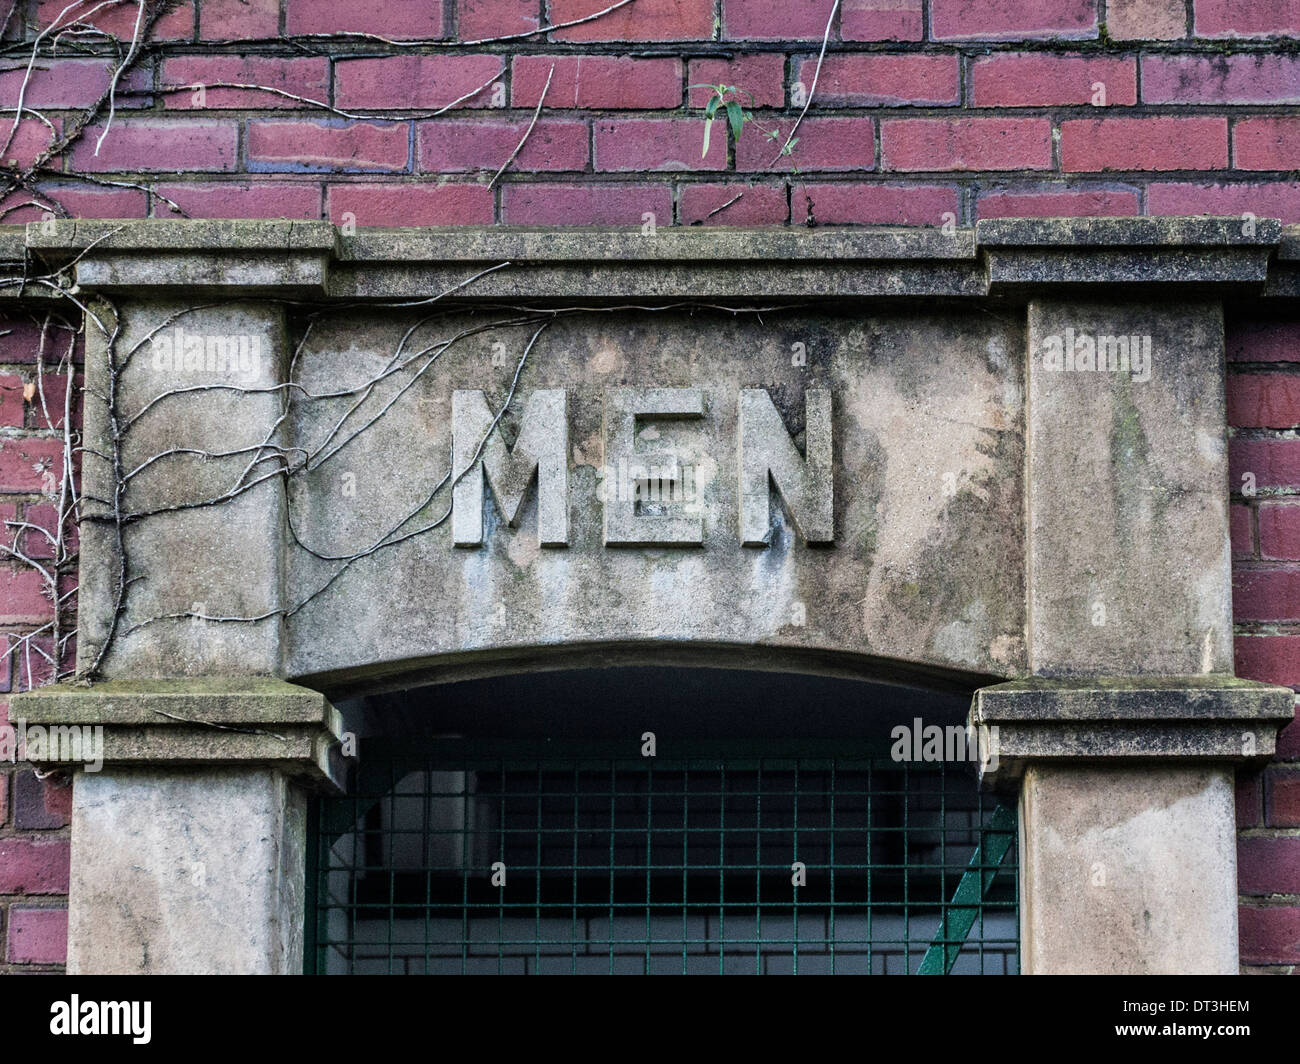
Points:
[(873, 833), (959, 915)]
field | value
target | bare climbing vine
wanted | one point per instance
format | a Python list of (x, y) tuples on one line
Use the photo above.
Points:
[(73, 32), (408, 364)]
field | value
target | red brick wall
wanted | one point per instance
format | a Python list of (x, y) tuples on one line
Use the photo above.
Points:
[(974, 108), (1264, 408)]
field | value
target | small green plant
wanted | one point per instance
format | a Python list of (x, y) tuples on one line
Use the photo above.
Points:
[(728, 98)]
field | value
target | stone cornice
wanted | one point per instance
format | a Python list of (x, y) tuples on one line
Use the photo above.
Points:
[(1125, 719), (215, 720), (315, 260)]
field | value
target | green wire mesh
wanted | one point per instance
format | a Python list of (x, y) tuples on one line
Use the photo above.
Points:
[(462, 856)]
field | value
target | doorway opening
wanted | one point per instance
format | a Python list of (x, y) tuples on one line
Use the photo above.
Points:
[(659, 820)]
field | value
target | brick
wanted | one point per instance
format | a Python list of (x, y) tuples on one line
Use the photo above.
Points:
[(1279, 530), (1288, 743), (1265, 199), (1119, 202), (238, 20), (22, 597), (449, 146), (966, 144), (400, 20), (774, 20), (1266, 144), (19, 207), (158, 144), (41, 805), (1282, 797), (827, 144), (86, 201), (1269, 934), (585, 204), (1264, 400), (1156, 142), (31, 465), (20, 339), (1259, 18), (241, 199), (863, 204), (54, 386), (878, 80), (758, 204), (596, 81), (1264, 79), (1254, 340), (1036, 79), (1273, 463), (477, 19), (324, 145), (34, 866), (657, 144), (46, 516), (1248, 793), (1241, 531), (645, 20), (13, 410), (118, 19), (416, 82), (33, 670), (1146, 20), (760, 77), (69, 83), (402, 204), (1268, 865), (32, 139), (1266, 594), (881, 20), (307, 77), (37, 936), (1011, 20)]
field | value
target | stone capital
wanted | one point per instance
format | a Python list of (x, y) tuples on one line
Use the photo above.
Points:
[(1123, 720), (167, 724)]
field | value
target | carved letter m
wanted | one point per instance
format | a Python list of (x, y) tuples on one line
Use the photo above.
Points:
[(541, 449)]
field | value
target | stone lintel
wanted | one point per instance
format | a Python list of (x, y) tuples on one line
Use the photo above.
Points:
[(215, 721), (1122, 720), (998, 255)]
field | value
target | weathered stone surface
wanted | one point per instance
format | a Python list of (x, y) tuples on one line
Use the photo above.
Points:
[(217, 720), (1128, 870), (1127, 508), (750, 447), (184, 871), (177, 436), (1210, 718), (924, 563)]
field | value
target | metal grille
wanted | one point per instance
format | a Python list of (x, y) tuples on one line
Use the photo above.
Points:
[(460, 856)]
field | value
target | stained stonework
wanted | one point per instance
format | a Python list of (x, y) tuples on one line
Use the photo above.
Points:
[(406, 456)]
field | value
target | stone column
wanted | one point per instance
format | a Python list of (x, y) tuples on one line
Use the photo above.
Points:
[(190, 837), (1123, 749), (189, 820)]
